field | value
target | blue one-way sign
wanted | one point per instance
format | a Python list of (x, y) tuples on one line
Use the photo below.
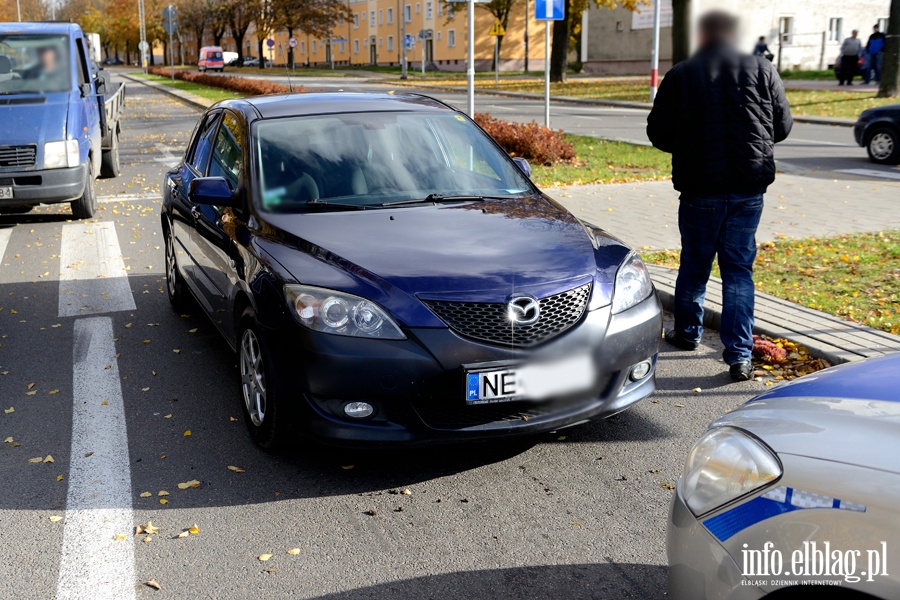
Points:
[(549, 10)]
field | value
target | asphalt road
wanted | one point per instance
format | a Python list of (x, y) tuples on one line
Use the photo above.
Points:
[(576, 514), (812, 149)]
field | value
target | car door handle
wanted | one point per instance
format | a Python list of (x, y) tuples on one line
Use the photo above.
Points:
[(195, 213)]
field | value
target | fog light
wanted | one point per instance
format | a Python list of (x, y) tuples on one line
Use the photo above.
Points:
[(641, 370), (358, 410)]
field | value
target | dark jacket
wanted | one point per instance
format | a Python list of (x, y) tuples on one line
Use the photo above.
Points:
[(720, 114)]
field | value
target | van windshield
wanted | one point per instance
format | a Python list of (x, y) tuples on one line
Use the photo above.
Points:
[(34, 63)]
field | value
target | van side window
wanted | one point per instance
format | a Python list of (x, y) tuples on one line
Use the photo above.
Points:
[(203, 146)]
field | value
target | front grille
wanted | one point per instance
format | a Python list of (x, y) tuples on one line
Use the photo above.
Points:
[(17, 156), (488, 321)]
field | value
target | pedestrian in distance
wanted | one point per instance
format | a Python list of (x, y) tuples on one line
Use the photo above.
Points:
[(851, 53), (762, 49), (720, 114), (874, 56)]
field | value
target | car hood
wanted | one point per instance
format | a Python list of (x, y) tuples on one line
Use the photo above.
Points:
[(34, 119), (847, 414), (474, 251)]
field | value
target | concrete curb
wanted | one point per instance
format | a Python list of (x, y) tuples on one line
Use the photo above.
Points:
[(186, 97), (601, 102)]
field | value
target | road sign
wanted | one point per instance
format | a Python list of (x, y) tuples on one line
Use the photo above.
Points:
[(497, 29), (409, 42), (169, 13), (270, 42), (143, 46), (549, 10), (292, 42)]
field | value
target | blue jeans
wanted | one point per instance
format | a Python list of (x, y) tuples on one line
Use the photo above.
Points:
[(724, 226)]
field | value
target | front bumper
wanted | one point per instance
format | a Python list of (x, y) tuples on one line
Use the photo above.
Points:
[(48, 186), (859, 131), (417, 384)]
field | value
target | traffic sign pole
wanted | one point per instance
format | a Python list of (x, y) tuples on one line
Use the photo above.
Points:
[(403, 39), (547, 73), (654, 68), (470, 66)]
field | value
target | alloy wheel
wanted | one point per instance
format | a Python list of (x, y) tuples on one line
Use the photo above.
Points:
[(881, 145), (253, 378)]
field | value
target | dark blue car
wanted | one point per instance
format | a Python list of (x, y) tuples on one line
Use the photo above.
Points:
[(387, 274)]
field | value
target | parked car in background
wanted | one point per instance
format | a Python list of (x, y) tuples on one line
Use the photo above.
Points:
[(878, 131), (387, 274), (60, 118), (253, 61), (211, 58), (795, 494), (112, 61), (230, 58)]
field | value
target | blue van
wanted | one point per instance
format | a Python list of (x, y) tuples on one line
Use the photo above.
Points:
[(60, 119)]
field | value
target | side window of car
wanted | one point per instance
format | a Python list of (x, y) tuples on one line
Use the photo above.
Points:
[(203, 146), (462, 149), (82, 62), (228, 157)]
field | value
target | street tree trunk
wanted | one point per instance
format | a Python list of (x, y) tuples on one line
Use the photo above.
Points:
[(681, 30), (559, 51), (890, 72)]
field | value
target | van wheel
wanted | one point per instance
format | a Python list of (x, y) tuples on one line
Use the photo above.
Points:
[(109, 162), (884, 146), (86, 206)]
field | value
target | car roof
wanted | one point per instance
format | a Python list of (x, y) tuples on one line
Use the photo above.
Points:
[(323, 103), (38, 27), (871, 379)]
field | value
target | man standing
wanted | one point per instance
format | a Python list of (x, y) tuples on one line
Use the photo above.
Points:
[(851, 52), (719, 114), (874, 55)]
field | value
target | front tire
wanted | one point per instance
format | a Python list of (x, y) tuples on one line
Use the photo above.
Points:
[(884, 146), (86, 206), (266, 418), (109, 163)]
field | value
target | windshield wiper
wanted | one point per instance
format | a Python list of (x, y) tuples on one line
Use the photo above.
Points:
[(433, 198), (336, 205)]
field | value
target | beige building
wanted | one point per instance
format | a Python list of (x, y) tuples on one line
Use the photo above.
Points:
[(373, 37)]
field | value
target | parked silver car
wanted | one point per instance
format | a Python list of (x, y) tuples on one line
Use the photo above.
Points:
[(799, 487)]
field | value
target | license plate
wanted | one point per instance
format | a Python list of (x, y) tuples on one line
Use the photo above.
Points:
[(535, 381), (6, 193)]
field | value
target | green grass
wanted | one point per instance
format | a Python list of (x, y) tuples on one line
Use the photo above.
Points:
[(827, 74), (855, 276), (601, 161), (204, 91)]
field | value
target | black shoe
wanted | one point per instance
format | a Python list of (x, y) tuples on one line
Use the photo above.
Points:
[(679, 342), (741, 371)]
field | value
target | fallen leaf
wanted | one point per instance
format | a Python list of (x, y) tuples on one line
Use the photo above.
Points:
[(36, 459), (30, 385), (264, 557), (59, 477), (163, 501), (679, 406), (294, 551), (51, 392), (55, 519), (150, 528), (8, 440), (270, 570), (193, 483), (119, 537), (49, 459), (183, 534), (696, 390), (31, 393), (194, 530), (187, 433), (176, 350), (104, 403), (168, 416), (232, 419), (127, 325), (146, 389), (88, 454), (10, 410), (561, 438), (407, 492), (236, 469), (347, 467), (147, 539), (194, 330), (162, 493), (146, 494), (152, 583)]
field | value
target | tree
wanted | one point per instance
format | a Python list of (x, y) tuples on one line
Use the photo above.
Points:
[(195, 17), (265, 24), (239, 14), (316, 18), (565, 29), (32, 10), (681, 30), (890, 73)]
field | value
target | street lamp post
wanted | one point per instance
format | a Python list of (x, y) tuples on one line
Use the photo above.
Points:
[(470, 66), (654, 67), (403, 40), (19, 10)]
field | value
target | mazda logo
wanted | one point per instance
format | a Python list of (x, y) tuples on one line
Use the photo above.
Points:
[(523, 310)]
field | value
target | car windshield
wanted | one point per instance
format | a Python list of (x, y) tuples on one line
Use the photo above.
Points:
[(374, 159), (34, 63)]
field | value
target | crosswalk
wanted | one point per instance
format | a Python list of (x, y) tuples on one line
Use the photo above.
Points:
[(93, 284)]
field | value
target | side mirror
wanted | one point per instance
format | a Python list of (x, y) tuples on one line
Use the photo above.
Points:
[(214, 191), (100, 82), (86, 90), (523, 165)]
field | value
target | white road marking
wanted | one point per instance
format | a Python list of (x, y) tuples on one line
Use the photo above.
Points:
[(94, 565), (5, 234), (793, 140), (873, 173), (129, 198), (91, 271), (169, 159)]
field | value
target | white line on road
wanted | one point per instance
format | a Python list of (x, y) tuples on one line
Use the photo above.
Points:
[(91, 271), (4, 240), (872, 173), (793, 140), (94, 565), (129, 198)]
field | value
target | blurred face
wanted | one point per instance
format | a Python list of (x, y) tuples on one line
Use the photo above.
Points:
[(49, 59)]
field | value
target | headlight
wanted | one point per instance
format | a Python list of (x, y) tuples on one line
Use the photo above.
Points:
[(58, 155), (335, 312), (632, 284), (725, 464)]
